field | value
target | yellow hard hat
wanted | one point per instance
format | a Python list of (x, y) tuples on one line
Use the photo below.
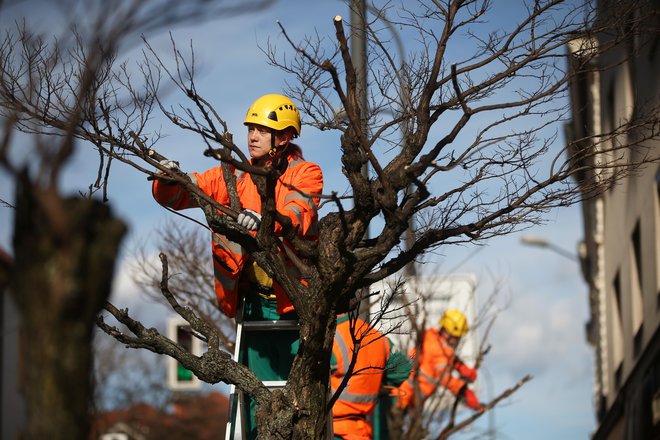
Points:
[(274, 111), (455, 322)]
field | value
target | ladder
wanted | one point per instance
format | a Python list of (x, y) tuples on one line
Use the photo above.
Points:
[(236, 411)]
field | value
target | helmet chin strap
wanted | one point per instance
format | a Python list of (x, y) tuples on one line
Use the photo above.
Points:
[(275, 149)]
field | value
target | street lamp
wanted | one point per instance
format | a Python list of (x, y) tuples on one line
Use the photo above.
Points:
[(580, 257), (533, 240)]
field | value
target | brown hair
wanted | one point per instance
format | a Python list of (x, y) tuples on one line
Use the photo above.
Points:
[(294, 150)]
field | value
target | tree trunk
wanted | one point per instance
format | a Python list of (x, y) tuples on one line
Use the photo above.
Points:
[(65, 252), (299, 411)]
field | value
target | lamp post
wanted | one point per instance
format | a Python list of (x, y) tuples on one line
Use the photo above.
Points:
[(579, 257), (533, 240)]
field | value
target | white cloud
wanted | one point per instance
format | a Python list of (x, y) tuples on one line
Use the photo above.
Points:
[(538, 333)]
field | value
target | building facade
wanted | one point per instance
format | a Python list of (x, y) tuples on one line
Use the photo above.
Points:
[(611, 94)]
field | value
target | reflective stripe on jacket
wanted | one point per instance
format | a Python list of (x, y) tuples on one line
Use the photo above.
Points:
[(436, 364), (300, 179), (358, 399)]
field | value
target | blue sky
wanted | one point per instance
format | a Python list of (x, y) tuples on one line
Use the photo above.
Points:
[(539, 332)]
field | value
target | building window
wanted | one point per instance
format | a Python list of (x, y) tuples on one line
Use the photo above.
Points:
[(618, 376), (616, 324), (638, 341), (609, 127), (636, 297), (619, 108)]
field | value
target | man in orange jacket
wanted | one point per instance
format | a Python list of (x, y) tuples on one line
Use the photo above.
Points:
[(272, 121), (437, 364), (376, 364)]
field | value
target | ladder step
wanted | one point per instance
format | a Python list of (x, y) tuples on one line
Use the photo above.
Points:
[(270, 325), (274, 383), (237, 407)]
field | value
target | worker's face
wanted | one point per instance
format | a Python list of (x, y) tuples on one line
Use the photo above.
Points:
[(260, 142), (453, 340)]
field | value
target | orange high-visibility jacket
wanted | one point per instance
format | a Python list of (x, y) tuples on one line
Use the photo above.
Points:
[(436, 363), (292, 191), (358, 399)]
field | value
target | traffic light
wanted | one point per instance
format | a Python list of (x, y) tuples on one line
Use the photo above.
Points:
[(179, 378)]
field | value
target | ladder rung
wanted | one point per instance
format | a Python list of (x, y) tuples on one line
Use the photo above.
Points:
[(274, 383), (270, 325)]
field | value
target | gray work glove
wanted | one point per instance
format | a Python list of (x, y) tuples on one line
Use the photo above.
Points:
[(249, 219), (170, 164)]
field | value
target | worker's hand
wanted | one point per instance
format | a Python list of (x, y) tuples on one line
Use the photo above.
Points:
[(168, 164), (467, 373), (471, 399), (249, 219)]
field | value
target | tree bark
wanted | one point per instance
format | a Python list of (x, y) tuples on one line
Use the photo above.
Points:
[(65, 251)]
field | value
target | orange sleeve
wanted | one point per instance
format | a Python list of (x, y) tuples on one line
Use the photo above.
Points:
[(451, 382), (173, 195), (445, 373)]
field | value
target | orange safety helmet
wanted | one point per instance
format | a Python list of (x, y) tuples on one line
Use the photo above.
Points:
[(455, 322), (274, 111)]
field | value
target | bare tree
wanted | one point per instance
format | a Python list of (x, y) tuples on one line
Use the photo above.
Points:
[(456, 133), (65, 248), (129, 388), (124, 378), (191, 279)]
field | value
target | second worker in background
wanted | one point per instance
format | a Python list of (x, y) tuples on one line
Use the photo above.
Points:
[(439, 366)]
